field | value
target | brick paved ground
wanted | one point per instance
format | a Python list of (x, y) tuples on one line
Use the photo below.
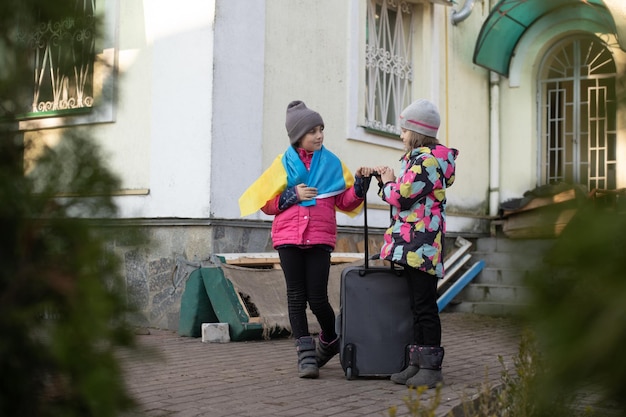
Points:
[(259, 378)]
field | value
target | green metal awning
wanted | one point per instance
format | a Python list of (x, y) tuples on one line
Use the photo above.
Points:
[(509, 20)]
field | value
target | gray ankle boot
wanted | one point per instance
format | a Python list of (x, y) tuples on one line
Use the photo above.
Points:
[(429, 374), (326, 350), (307, 365), (410, 371)]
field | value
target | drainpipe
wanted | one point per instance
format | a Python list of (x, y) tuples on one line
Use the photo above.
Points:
[(461, 15), (494, 144)]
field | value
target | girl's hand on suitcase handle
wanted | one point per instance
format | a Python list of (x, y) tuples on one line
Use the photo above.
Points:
[(386, 174), (366, 172), (382, 173)]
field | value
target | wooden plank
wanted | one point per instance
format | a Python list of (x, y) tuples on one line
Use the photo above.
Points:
[(271, 258), (463, 245), (456, 260), (245, 261), (453, 269), (456, 288), (339, 259), (537, 224), (537, 202)]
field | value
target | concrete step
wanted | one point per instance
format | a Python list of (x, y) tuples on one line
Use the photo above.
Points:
[(499, 288), (531, 246), (486, 309), (486, 293), (523, 261), (500, 276)]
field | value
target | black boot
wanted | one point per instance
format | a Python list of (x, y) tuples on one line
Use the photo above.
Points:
[(326, 350), (429, 374), (307, 365), (410, 371)]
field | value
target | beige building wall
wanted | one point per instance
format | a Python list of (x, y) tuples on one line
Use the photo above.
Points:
[(200, 107), (315, 53), (202, 90)]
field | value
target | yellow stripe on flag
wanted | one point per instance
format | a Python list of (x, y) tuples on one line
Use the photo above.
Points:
[(271, 183)]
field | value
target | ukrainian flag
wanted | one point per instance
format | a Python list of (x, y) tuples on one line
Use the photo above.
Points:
[(327, 173)]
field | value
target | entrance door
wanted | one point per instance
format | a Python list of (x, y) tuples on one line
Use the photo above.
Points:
[(577, 114)]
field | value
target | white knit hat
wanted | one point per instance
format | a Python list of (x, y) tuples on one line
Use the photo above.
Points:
[(421, 116)]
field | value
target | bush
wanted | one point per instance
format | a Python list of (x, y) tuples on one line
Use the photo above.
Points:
[(62, 295), (62, 299)]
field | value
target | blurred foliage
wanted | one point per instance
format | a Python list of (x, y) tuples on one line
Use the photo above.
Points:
[(62, 294), (516, 395), (578, 307), (523, 384), (416, 406)]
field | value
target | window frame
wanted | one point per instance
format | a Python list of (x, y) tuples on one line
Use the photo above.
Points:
[(426, 82), (104, 79), (576, 144), (389, 64), (356, 129)]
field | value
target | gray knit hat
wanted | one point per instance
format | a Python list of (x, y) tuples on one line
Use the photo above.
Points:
[(421, 116), (300, 119)]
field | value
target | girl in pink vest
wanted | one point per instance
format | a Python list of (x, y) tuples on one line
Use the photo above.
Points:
[(305, 186)]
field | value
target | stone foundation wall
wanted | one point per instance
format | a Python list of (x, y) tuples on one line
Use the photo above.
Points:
[(155, 274)]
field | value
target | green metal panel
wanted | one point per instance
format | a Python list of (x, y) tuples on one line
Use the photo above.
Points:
[(195, 307), (228, 306), (509, 20)]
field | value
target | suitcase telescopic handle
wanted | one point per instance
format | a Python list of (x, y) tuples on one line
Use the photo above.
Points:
[(366, 236)]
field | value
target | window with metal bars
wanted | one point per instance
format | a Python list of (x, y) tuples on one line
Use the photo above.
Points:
[(388, 63), (577, 114), (62, 56)]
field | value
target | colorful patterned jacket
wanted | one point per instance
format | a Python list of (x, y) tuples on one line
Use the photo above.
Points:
[(418, 201)]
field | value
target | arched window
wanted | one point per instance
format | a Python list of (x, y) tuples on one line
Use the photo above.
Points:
[(577, 114)]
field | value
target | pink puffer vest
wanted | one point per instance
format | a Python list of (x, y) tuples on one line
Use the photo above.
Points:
[(304, 226)]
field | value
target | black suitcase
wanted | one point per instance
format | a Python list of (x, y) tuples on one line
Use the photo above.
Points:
[(375, 321)]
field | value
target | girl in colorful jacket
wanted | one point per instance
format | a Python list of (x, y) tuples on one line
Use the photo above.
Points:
[(416, 236), (303, 188)]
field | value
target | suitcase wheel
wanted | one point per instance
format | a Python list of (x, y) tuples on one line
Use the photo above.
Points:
[(348, 361)]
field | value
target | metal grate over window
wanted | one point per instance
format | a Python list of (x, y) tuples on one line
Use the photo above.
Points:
[(578, 115), (62, 56), (388, 63)]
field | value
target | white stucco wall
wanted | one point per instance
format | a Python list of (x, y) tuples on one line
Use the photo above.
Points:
[(161, 139), (312, 53), (203, 88), (203, 91), (239, 86), (465, 115)]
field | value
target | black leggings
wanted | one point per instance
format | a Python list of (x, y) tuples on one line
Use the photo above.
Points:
[(306, 277), (426, 322)]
